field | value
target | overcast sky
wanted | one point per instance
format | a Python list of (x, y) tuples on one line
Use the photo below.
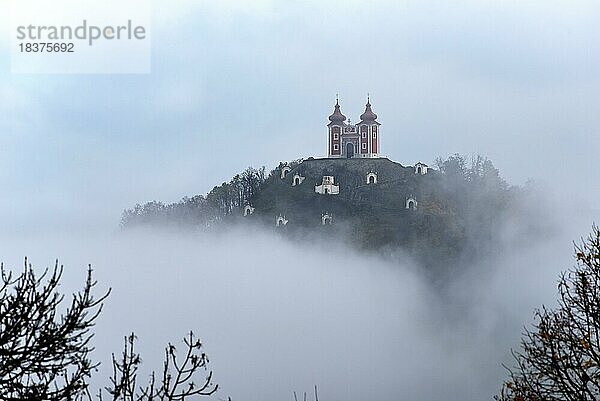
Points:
[(252, 83)]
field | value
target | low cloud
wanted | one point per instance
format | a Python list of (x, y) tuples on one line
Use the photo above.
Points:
[(278, 316)]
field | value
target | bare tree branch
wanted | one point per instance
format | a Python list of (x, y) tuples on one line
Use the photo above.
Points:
[(44, 355), (177, 380), (559, 358)]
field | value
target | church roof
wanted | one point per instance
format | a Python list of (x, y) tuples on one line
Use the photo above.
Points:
[(368, 115), (337, 116)]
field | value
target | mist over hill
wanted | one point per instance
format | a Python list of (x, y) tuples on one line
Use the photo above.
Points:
[(446, 216)]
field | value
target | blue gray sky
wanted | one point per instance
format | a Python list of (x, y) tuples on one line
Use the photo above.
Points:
[(252, 83)]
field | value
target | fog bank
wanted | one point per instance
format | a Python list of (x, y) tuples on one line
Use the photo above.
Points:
[(278, 316)]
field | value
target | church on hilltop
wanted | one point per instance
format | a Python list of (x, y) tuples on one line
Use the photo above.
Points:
[(346, 140)]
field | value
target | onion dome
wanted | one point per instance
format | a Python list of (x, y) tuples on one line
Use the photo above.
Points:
[(337, 116), (368, 115)]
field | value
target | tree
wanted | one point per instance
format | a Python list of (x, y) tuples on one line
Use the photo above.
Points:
[(454, 166), (176, 382), (44, 355), (199, 211), (45, 347), (559, 357)]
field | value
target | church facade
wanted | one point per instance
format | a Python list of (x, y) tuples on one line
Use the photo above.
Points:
[(346, 140)]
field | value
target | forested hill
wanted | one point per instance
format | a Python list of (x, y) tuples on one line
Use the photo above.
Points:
[(458, 205)]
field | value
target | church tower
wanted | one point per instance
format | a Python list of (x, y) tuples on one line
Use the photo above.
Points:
[(369, 132), (337, 123)]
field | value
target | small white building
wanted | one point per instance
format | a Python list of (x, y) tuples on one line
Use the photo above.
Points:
[(326, 219), (248, 210), (421, 168), (284, 171), (280, 221), (372, 178), (327, 186), (411, 203), (297, 180)]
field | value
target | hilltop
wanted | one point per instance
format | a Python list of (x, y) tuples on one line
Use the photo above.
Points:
[(432, 214)]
